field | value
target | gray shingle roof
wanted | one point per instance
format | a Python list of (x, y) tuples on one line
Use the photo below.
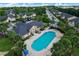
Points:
[(22, 14), (2, 18), (23, 28), (10, 11), (11, 16), (66, 15), (76, 20)]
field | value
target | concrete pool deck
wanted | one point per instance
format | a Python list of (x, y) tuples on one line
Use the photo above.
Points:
[(45, 51)]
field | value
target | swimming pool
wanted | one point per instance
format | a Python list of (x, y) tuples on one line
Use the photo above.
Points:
[(43, 41)]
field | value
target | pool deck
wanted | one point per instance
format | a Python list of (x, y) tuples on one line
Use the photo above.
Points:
[(44, 52)]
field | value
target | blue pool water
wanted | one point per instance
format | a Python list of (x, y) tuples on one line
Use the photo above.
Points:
[(43, 41)]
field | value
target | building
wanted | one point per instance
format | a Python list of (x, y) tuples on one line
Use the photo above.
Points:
[(24, 29), (52, 18), (33, 15), (72, 20), (2, 18), (11, 26), (11, 18), (34, 30), (26, 15), (10, 15), (22, 15), (11, 11)]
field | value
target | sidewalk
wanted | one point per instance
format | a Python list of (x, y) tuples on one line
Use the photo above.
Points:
[(3, 53)]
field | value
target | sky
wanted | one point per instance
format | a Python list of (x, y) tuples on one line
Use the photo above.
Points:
[(39, 1), (36, 4)]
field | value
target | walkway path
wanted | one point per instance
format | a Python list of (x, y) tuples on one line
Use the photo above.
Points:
[(3, 53)]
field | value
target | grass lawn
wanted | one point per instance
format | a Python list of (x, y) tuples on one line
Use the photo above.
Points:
[(5, 45), (76, 51)]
